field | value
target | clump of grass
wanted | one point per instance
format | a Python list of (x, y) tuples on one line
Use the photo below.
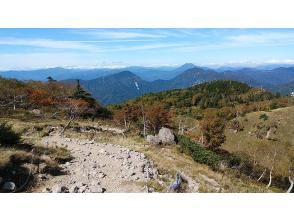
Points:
[(53, 168), (60, 154), (264, 117)]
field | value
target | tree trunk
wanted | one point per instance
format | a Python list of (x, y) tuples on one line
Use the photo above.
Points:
[(144, 123), (270, 178), (14, 99), (291, 185), (261, 176), (125, 123), (70, 121)]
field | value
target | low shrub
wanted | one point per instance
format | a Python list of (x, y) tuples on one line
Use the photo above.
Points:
[(199, 154), (263, 116), (7, 135)]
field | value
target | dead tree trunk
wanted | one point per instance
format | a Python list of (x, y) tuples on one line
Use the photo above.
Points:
[(125, 121), (144, 122), (271, 171), (270, 178), (261, 176), (291, 185), (68, 124)]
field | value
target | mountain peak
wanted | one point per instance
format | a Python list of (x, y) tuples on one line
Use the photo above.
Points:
[(186, 66)]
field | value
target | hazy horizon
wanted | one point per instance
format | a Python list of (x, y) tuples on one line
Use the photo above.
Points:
[(38, 48)]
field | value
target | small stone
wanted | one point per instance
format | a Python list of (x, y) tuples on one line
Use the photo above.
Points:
[(101, 175), (64, 189), (36, 112), (82, 189), (42, 177), (74, 189), (9, 186), (102, 151), (46, 190)]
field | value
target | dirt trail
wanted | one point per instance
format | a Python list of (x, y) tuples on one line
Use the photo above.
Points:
[(100, 167)]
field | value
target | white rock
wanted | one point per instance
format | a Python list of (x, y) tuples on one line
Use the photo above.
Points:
[(101, 175), (102, 151)]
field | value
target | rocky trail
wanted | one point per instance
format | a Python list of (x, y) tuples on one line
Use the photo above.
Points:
[(100, 167)]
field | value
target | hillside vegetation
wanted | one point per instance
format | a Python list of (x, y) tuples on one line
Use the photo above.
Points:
[(206, 112), (210, 121)]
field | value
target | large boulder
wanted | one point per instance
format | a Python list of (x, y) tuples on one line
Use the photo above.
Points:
[(166, 136), (154, 140)]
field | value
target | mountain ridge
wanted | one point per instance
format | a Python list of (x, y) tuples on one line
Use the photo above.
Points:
[(109, 89)]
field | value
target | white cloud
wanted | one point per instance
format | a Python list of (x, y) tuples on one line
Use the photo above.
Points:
[(118, 34), (145, 47), (46, 43), (45, 60), (262, 37)]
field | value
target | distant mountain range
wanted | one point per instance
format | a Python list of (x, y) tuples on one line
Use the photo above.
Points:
[(146, 73), (125, 85), (111, 86)]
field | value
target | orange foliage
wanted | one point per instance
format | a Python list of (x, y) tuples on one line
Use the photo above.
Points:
[(41, 97)]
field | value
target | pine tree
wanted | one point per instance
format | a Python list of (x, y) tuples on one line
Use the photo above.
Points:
[(50, 79), (80, 93)]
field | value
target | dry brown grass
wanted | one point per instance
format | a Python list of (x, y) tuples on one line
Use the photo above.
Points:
[(282, 140)]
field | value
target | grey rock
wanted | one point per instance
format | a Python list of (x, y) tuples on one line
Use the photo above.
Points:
[(60, 189), (154, 140), (9, 186), (42, 176), (82, 189), (36, 112), (166, 136), (74, 189)]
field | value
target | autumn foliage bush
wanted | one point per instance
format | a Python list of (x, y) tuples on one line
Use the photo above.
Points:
[(212, 128), (156, 116)]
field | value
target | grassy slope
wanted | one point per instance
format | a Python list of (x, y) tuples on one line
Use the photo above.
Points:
[(283, 138)]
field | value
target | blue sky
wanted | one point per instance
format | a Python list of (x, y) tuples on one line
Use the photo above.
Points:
[(88, 48)]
